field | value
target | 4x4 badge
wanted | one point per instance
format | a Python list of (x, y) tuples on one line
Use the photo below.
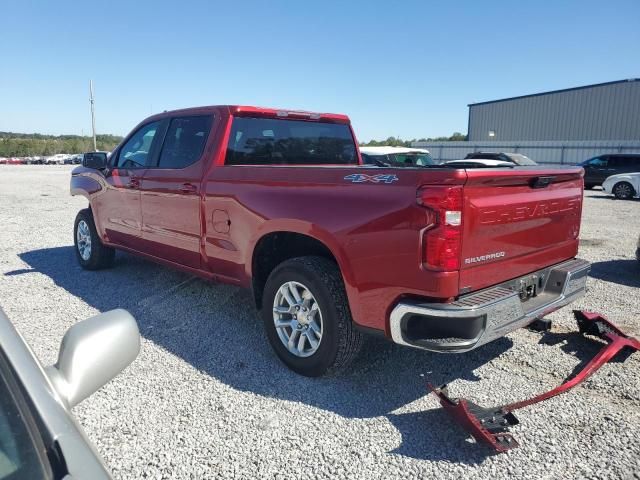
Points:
[(362, 178)]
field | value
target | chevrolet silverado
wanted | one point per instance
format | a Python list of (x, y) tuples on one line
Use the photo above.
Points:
[(434, 257)]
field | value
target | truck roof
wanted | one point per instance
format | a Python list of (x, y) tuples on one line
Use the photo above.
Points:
[(249, 111)]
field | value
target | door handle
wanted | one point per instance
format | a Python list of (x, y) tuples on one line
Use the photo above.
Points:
[(188, 188), (134, 182)]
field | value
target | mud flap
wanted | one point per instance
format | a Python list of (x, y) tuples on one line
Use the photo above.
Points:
[(490, 425)]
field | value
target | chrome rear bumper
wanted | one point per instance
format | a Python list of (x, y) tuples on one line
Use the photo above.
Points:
[(483, 316)]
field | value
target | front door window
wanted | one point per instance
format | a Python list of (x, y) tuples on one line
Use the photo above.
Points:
[(136, 153)]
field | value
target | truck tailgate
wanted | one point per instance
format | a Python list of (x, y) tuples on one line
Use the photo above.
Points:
[(517, 221)]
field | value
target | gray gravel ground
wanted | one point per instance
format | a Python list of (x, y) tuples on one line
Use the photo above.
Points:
[(206, 398)]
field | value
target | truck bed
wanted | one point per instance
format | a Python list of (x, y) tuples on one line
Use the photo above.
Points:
[(374, 228)]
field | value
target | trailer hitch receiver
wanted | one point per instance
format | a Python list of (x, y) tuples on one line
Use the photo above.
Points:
[(490, 425)]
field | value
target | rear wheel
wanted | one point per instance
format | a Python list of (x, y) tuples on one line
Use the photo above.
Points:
[(90, 251), (623, 190), (307, 319)]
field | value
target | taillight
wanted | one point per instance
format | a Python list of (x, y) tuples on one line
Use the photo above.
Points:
[(443, 240)]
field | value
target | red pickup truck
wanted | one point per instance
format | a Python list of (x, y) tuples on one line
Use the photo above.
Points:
[(439, 258)]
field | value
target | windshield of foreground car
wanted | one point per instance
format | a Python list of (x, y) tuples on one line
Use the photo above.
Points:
[(19, 456)]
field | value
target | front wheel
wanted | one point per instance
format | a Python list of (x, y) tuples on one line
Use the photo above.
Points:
[(91, 253), (623, 190), (307, 318)]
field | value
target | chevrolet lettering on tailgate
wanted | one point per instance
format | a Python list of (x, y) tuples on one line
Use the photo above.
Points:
[(511, 213)]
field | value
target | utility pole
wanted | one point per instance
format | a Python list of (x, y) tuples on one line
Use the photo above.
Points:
[(93, 115)]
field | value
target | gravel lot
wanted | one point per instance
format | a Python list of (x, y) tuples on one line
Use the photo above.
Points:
[(206, 398)]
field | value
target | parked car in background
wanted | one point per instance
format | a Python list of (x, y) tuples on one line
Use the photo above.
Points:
[(277, 201), (623, 186), (479, 163), (15, 161), (3, 160), (39, 437), (57, 159), (598, 169), (516, 158), (73, 159), (396, 157), (36, 160)]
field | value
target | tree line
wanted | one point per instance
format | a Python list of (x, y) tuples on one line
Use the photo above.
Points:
[(398, 142), (35, 144)]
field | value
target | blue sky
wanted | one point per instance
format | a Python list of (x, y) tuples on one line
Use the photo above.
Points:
[(407, 69)]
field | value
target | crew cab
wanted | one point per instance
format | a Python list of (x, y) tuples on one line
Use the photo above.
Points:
[(438, 258)]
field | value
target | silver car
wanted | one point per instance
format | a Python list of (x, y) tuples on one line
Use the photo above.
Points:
[(39, 437)]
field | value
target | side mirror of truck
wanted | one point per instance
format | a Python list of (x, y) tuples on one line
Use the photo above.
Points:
[(97, 160), (92, 352)]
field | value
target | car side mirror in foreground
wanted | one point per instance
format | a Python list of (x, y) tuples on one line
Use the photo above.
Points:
[(93, 352), (97, 160)]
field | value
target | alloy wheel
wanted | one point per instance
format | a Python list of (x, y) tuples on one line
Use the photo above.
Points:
[(298, 319), (83, 240), (623, 190)]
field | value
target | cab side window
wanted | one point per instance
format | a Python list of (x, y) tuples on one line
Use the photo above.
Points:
[(136, 152), (598, 162), (617, 162), (184, 141)]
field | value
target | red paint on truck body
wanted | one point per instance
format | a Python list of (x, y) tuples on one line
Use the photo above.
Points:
[(375, 231)]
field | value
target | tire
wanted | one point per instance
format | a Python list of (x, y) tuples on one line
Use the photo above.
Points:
[(589, 186), (623, 190), (339, 342), (98, 255)]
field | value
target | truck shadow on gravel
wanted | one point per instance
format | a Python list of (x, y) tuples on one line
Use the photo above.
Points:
[(215, 328), (622, 272)]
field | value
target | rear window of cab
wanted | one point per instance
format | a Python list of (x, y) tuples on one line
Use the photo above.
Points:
[(270, 141)]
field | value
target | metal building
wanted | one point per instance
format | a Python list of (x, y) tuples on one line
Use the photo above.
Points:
[(605, 111)]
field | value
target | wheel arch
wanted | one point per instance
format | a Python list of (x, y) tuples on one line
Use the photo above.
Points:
[(281, 242), (629, 181), (85, 186), (89, 184)]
